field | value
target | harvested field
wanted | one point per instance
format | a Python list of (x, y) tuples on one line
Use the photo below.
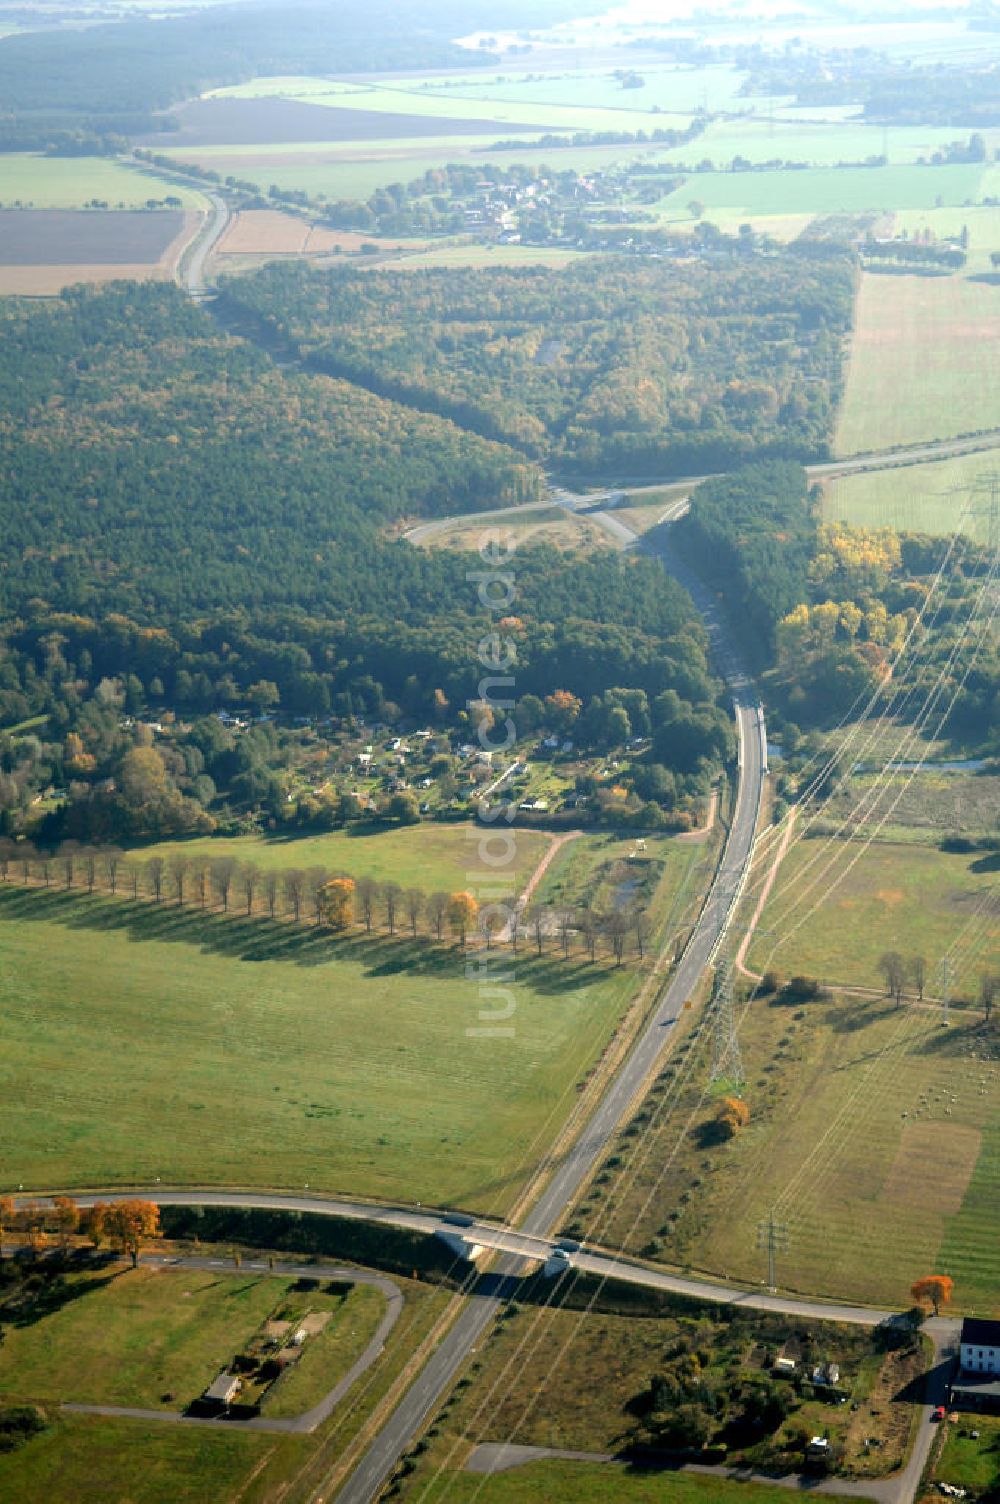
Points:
[(44, 250), (269, 232), (275, 122)]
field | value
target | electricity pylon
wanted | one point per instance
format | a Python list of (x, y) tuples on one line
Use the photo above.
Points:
[(774, 1237)]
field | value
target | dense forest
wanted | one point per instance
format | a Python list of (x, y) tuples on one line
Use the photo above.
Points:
[(732, 534), (826, 608), (190, 528), (643, 366), (114, 76)]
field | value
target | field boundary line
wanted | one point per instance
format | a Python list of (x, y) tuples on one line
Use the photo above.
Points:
[(764, 895)]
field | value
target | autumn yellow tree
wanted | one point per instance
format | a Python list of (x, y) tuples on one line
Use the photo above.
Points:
[(336, 902), (463, 910), (562, 709), (932, 1290), (733, 1115), (66, 1216), (125, 1224)]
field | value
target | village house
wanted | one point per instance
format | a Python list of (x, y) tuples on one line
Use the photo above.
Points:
[(976, 1386)]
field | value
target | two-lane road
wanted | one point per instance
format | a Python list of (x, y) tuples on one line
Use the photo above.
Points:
[(626, 1087)]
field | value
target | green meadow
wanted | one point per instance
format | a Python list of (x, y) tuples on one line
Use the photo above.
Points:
[(428, 856), (922, 361), (583, 1483), (205, 1049), (133, 1336), (837, 907), (71, 182), (932, 498), (826, 190)]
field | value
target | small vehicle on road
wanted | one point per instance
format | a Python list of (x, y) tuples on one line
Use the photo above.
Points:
[(938, 1413)]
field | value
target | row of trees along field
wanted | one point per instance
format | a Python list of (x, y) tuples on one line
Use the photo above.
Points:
[(123, 1225), (644, 366), (313, 895)]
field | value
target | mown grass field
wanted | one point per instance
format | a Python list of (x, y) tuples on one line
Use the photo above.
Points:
[(71, 182), (91, 1460), (821, 144), (667, 90), (913, 899), (931, 498), (491, 255), (921, 365), (874, 1138), (132, 1336), (428, 856), (264, 1054)]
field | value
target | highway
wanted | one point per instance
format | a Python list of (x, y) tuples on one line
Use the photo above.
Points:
[(204, 243), (532, 1238)]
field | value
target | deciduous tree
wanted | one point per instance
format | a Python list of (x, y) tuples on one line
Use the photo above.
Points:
[(413, 900), (125, 1224), (155, 868), (179, 866), (223, 872), (893, 968), (463, 911), (367, 889), (934, 1290), (337, 898), (437, 908), (732, 1116), (292, 882), (391, 895)]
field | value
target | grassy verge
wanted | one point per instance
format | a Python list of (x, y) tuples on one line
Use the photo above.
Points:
[(581, 1483)]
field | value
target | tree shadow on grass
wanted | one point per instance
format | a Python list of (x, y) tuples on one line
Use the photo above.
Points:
[(51, 1297), (258, 938), (850, 1018)]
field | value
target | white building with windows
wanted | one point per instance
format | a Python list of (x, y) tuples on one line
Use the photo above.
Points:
[(980, 1346)]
